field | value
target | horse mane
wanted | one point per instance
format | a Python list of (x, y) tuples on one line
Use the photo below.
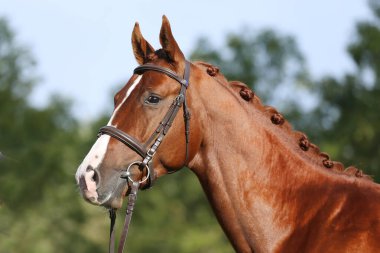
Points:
[(311, 151)]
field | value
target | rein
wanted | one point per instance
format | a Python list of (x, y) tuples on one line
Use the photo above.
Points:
[(142, 150)]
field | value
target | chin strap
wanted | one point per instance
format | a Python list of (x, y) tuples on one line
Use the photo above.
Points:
[(130, 206)]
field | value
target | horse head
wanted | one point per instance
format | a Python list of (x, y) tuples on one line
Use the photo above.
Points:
[(136, 145)]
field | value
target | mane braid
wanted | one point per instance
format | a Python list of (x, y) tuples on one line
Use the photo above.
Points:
[(310, 150)]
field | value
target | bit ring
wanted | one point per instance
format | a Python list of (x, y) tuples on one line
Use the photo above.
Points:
[(138, 163)]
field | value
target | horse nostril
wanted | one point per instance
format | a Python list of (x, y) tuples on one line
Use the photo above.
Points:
[(92, 175), (95, 177)]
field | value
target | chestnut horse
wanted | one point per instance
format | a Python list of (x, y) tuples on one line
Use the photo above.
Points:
[(270, 188)]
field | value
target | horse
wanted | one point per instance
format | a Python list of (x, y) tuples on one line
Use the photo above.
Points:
[(271, 189)]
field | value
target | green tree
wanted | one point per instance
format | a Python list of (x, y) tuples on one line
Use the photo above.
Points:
[(38, 208), (347, 120), (267, 61)]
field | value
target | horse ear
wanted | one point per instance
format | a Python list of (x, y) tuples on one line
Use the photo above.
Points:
[(141, 48), (168, 43)]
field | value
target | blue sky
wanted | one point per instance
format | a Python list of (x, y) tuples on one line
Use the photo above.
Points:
[(83, 47)]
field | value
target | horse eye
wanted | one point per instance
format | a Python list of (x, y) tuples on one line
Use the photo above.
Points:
[(152, 99)]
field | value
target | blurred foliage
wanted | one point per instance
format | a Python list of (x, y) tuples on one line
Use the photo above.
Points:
[(40, 206), (264, 60), (270, 63), (347, 119), (38, 212)]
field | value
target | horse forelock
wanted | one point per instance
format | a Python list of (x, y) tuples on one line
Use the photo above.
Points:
[(310, 151), (158, 54)]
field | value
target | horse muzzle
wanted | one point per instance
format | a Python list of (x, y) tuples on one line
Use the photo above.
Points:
[(110, 192), (109, 195)]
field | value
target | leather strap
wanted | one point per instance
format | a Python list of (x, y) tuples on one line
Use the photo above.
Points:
[(125, 138), (141, 69), (129, 211), (111, 246), (131, 204)]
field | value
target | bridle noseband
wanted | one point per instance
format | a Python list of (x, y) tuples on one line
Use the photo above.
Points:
[(142, 150)]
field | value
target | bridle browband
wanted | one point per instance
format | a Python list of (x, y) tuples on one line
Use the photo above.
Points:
[(142, 150)]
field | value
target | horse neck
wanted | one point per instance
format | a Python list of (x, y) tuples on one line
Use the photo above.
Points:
[(249, 173)]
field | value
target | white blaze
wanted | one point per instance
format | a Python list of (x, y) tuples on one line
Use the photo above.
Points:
[(129, 91), (96, 155)]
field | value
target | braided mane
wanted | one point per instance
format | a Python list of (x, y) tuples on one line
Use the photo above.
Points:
[(311, 151)]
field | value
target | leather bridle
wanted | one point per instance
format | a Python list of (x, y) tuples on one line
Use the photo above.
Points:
[(142, 150)]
